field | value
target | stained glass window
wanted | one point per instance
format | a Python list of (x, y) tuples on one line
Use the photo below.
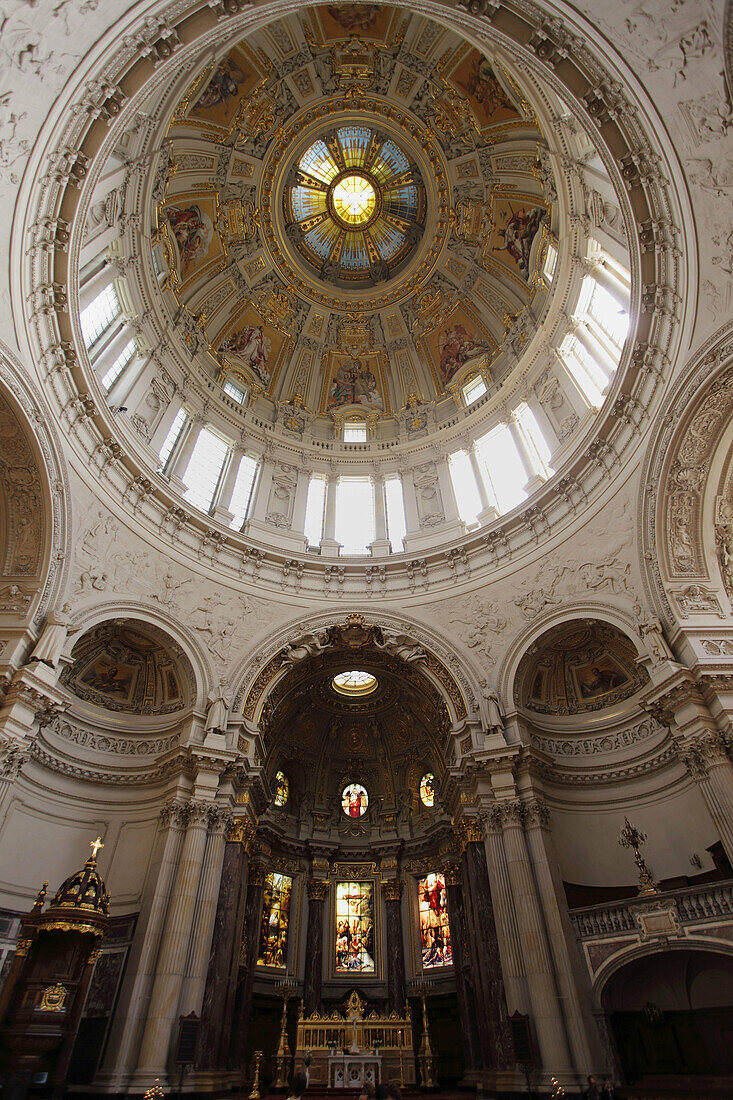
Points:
[(359, 203), (354, 800), (434, 926), (355, 927), (273, 950), (282, 789), (427, 789)]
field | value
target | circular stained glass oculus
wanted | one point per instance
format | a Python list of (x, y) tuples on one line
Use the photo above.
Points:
[(427, 789), (354, 683), (354, 205), (354, 800), (282, 789), (354, 199)]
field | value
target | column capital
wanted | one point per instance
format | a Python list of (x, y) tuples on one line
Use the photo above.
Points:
[(257, 874), (710, 748), (469, 831), (392, 889), (536, 813), (317, 888), (174, 813), (220, 819), (452, 873), (242, 831)]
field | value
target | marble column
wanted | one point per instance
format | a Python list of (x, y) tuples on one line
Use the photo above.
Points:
[(221, 981), (313, 975), (460, 949), (493, 1027), (247, 963), (396, 989), (162, 1014), (707, 760), (126, 1026), (569, 968), (547, 1018), (219, 820)]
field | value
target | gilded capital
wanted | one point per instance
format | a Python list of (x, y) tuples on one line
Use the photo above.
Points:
[(469, 831), (242, 832), (317, 888), (392, 889), (452, 873), (257, 874)]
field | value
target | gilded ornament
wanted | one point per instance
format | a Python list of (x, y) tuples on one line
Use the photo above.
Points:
[(53, 998)]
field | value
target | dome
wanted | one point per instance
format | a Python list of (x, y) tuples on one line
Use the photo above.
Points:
[(358, 254)]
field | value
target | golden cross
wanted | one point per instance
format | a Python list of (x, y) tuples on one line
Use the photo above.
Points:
[(95, 845)]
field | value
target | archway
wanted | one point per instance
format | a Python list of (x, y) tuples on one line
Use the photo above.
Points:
[(671, 1015), (356, 738)]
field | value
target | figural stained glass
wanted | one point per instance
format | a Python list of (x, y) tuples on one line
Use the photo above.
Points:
[(434, 926), (354, 206), (354, 800), (355, 928), (273, 949), (282, 788), (427, 790)]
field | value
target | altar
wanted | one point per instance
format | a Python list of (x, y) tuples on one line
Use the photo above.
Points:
[(345, 1048), (351, 1071)]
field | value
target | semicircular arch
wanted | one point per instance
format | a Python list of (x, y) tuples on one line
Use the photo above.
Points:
[(205, 678), (457, 683)]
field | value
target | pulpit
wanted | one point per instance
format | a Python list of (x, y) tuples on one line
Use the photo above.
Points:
[(44, 994)]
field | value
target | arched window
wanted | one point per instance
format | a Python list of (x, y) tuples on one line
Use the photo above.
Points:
[(282, 789), (432, 907), (427, 790)]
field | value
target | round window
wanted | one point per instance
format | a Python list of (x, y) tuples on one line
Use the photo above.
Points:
[(354, 800), (354, 683)]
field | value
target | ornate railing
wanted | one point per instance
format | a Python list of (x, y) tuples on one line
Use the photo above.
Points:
[(693, 903)]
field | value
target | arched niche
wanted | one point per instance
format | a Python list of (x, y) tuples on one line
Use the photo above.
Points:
[(175, 646), (132, 667), (577, 667), (26, 511), (687, 507), (670, 1012)]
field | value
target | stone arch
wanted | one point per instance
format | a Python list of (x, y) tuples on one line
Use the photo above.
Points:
[(205, 679), (33, 498), (614, 616), (619, 961), (683, 486), (457, 683)]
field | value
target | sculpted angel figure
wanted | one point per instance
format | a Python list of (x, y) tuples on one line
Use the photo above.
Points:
[(55, 631), (218, 712), (400, 645), (308, 646)]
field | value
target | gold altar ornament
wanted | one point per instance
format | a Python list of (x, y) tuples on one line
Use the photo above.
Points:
[(53, 998)]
